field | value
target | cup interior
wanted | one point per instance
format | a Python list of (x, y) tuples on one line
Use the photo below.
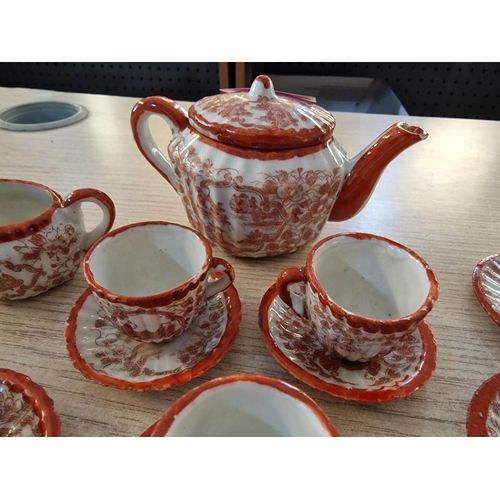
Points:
[(371, 277), (246, 409), (146, 259), (22, 202)]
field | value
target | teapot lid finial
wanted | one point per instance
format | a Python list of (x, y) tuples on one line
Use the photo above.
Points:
[(262, 86)]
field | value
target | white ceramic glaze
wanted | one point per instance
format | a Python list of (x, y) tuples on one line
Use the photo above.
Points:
[(147, 260), (151, 278), (371, 277), (244, 406), (259, 172), (43, 237), (364, 294), (103, 353)]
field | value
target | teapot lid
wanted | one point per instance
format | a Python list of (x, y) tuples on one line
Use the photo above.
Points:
[(261, 118)]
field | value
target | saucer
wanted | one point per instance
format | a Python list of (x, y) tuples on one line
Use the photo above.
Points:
[(483, 415), (26, 410), (149, 431), (104, 354), (291, 342), (486, 285)]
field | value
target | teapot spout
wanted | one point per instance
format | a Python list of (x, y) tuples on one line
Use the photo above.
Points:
[(365, 169)]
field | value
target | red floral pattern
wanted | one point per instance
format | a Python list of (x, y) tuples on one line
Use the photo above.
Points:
[(486, 285), (272, 113), (17, 417), (298, 340), (493, 420), (156, 324), (108, 350), (279, 213), (41, 261), (350, 343)]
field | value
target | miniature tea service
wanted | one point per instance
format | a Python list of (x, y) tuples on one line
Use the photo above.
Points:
[(364, 294), (259, 172), (151, 278), (243, 405), (43, 236)]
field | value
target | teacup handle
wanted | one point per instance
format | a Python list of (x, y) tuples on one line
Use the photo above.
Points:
[(221, 275), (287, 277), (103, 201)]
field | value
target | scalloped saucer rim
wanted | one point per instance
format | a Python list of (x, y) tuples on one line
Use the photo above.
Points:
[(480, 406), (478, 289), (211, 358), (424, 369), (149, 431), (42, 405)]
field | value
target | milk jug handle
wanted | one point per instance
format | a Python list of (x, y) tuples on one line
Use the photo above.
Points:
[(73, 201)]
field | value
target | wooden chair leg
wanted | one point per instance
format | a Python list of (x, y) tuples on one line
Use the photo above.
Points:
[(223, 75), (241, 74)]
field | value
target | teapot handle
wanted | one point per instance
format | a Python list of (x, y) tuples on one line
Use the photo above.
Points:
[(175, 116), (74, 199)]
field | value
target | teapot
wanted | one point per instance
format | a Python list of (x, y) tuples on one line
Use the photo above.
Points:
[(259, 172)]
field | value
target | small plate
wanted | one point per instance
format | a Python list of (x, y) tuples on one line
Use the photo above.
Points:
[(486, 285), (483, 415), (291, 341), (25, 408), (149, 431), (104, 354)]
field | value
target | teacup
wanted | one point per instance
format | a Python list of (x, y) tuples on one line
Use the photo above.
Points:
[(363, 293), (43, 237), (244, 405), (151, 278)]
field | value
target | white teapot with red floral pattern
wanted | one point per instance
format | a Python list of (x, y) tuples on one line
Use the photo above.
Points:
[(259, 171)]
